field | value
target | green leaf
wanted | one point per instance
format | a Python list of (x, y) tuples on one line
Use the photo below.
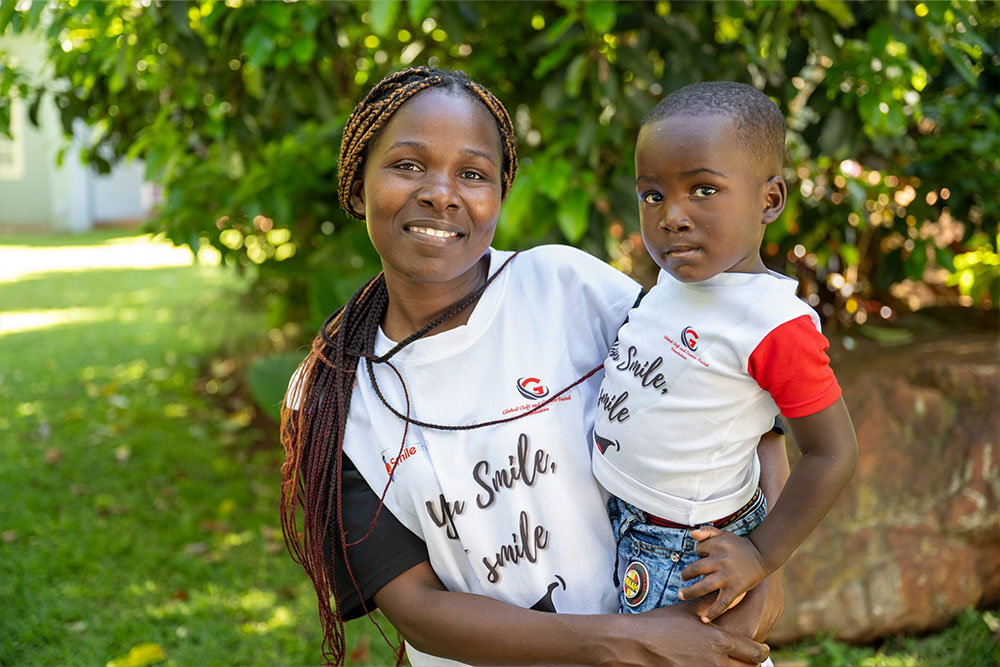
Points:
[(7, 8), (383, 16), (600, 14), (258, 45), (553, 59), (574, 215), (886, 336), (961, 63), (418, 10), (575, 73), (553, 179), (268, 379), (303, 49), (839, 10), (514, 211), (140, 656)]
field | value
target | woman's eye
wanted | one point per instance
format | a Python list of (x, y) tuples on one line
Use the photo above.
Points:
[(652, 197), (704, 191), (472, 175), (406, 166)]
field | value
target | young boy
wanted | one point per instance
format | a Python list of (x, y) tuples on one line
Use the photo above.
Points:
[(702, 366)]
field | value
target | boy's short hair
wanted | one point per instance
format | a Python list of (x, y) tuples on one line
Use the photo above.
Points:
[(760, 126)]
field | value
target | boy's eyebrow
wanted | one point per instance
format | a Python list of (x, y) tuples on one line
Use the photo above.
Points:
[(694, 172), (684, 174), (465, 151)]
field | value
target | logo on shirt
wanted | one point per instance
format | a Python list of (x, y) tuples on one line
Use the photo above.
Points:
[(689, 337), (532, 388), (395, 461)]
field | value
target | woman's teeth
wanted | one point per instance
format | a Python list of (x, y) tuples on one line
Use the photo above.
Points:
[(436, 233)]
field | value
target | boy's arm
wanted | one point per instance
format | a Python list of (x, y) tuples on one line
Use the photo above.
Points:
[(734, 565), (760, 610)]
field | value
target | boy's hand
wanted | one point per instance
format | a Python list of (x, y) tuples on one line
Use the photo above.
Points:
[(731, 565)]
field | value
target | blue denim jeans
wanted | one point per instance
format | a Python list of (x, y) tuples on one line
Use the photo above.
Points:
[(654, 556)]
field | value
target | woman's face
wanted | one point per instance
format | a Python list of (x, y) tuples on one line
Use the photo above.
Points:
[(430, 192)]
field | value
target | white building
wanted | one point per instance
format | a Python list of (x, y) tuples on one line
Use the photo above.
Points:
[(38, 194)]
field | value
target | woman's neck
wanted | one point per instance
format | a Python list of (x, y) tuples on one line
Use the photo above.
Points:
[(413, 305)]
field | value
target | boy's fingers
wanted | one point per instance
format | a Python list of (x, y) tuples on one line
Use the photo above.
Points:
[(705, 532), (720, 605), (706, 585), (697, 568)]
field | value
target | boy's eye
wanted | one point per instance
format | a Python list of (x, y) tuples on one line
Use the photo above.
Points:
[(704, 191), (651, 197)]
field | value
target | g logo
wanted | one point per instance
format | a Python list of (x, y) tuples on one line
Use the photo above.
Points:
[(532, 388), (690, 338)]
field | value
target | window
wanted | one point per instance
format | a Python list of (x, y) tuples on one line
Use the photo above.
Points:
[(12, 150)]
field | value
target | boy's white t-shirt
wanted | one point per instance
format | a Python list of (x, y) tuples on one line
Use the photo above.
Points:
[(681, 410), (510, 511)]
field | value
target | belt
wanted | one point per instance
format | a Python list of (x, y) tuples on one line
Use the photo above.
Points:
[(718, 523)]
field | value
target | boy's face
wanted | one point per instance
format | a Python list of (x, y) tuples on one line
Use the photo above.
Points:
[(703, 203)]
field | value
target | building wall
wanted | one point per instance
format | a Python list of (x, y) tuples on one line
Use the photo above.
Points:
[(70, 196)]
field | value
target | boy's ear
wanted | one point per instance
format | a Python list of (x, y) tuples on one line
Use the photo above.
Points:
[(358, 197), (775, 196)]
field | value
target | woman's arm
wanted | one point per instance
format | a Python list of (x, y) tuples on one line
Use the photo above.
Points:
[(483, 631)]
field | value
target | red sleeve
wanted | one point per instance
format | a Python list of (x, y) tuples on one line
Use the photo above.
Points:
[(791, 365)]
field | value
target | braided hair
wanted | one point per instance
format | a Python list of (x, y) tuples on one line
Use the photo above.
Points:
[(315, 411)]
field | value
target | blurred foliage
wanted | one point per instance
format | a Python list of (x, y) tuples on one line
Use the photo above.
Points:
[(236, 108)]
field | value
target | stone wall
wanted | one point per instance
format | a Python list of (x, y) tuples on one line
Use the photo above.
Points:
[(915, 538)]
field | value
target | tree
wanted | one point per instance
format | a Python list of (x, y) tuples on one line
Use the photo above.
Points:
[(236, 109)]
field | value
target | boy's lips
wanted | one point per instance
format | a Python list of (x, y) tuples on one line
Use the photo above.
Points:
[(681, 250)]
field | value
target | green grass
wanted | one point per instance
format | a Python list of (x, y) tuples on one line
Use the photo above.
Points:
[(137, 507), (970, 642), (139, 495)]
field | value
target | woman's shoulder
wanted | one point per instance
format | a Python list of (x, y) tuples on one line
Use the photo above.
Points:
[(563, 259)]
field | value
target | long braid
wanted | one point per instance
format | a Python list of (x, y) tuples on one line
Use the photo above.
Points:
[(316, 406)]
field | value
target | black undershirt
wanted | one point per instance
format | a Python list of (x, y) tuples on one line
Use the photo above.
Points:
[(387, 552)]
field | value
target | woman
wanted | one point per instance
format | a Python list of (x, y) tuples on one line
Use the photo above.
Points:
[(465, 508)]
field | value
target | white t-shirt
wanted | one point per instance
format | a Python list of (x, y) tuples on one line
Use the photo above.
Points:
[(510, 511), (692, 384)]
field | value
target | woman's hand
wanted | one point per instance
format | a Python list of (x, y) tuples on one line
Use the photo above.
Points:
[(483, 631)]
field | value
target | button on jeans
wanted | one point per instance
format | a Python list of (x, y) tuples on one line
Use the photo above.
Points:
[(653, 557)]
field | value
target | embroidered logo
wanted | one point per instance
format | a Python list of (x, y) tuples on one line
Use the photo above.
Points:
[(532, 388), (636, 584), (689, 337)]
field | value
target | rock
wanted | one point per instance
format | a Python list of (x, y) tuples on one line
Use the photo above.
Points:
[(915, 538)]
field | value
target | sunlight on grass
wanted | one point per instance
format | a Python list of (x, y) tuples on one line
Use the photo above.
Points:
[(129, 252), (19, 321)]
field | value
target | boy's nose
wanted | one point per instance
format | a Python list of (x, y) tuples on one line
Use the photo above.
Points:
[(438, 193), (675, 219)]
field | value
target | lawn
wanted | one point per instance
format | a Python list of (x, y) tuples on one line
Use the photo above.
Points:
[(139, 499), (140, 488)]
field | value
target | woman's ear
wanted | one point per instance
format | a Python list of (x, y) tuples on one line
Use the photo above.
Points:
[(775, 196), (358, 197)]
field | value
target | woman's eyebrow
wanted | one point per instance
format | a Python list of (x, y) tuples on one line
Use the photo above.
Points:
[(420, 145)]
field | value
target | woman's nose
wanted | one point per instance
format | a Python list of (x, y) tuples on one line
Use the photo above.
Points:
[(438, 192)]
